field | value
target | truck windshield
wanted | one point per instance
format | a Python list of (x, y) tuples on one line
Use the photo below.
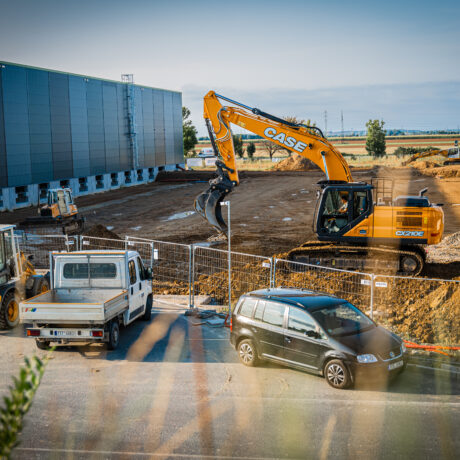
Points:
[(2, 253), (342, 319), (97, 270)]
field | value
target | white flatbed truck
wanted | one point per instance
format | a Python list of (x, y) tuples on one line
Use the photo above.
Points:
[(92, 293)]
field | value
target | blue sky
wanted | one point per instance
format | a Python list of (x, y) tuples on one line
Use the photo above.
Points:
[(396, 60)]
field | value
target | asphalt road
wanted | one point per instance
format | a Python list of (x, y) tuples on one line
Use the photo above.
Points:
[(174, 390)]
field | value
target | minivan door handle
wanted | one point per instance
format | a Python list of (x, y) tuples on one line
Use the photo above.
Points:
[(288, 339)]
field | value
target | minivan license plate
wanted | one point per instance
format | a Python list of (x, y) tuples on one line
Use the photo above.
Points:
[(395, 365)]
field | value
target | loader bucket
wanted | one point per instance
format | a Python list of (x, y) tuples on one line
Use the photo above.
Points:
[(208, 205)]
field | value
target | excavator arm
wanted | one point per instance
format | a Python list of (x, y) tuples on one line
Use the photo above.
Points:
[(453, 153), (307, 141)]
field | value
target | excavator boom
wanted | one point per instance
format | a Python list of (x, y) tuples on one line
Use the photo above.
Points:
[(307, 141)]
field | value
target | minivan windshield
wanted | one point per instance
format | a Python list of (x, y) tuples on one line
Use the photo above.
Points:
[(342, 319)]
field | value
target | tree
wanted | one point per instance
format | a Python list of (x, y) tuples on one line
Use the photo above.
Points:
[(271, 147), (238, 145), (250, 150), (190, 132), (375, 142)]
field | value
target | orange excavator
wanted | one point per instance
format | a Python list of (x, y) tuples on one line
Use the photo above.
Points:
[(452, 155), (359, 226)]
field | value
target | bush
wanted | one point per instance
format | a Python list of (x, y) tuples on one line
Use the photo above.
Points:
[(18, 403), (375, 142), (250, 150)]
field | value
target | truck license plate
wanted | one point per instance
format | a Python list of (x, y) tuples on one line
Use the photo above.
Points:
[(64, 333), (395, 365)]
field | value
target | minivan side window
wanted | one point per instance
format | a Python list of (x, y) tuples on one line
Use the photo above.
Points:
[(299, 321), (274, 313), (247, 307), (260, 310)]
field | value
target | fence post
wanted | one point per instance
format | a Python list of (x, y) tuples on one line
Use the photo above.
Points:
[(152, 254), (372, 295), (67, 243), (126, 242), (275, 260), (192, 275), (272, 272)]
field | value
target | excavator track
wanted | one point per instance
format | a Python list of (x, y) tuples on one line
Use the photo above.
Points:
[(407, 262)]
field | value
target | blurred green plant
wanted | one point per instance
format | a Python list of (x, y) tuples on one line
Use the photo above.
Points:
[(19, 401), (250, 150), (238, 145)]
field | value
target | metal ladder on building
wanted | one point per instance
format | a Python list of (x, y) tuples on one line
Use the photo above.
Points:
[(131, 111)]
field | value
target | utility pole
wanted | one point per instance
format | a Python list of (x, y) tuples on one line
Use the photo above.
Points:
[(341, 119), (325, 123)]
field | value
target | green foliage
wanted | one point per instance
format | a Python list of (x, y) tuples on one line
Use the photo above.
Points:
[(238, 145), (404, 151), (189, 131), (250, 150), (18, 403), (375, 142)]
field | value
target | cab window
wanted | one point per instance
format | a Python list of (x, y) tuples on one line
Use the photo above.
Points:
[(273, 313), (132, 272), (360, 203), (335, 215), (247, 307), (2, 254), (140, 268)]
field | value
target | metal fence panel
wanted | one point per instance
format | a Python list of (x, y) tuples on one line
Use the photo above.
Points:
[(210, 268), (426, 310), (352, 286), (39, 246)]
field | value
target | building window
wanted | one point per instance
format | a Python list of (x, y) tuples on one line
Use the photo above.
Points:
[(21, 194), (114, 179), (100, 181)]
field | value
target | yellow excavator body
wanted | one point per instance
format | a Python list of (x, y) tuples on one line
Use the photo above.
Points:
[(353, 220)]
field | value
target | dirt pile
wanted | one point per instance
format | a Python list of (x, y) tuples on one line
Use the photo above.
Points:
[(295, 163), (437, 171), (448, 250), (99, 231)]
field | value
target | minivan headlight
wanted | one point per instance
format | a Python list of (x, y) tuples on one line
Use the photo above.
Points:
[(403, 347), (366, 358)]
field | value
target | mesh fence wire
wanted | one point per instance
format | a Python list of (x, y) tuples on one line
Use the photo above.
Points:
[(39, 246), (210, 268), (352, 286)]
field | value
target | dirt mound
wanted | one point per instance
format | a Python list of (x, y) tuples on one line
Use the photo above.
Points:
[(426, 164), (448, 250), (99, 231), (296, 163), (438, 171)]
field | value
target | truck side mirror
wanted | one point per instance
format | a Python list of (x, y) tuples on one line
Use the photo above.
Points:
[(149, 272)]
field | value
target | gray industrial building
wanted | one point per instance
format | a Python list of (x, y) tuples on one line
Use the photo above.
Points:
[(59, 129)]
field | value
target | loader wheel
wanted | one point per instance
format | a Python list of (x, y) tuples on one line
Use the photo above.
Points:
[(9, 311), (41, 285), (148, 309), (114, 335)]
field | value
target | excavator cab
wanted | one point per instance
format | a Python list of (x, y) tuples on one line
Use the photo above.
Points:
[(342, 207)]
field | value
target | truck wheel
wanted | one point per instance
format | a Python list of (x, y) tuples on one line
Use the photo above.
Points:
[(148, 309), (41, 285), (42, 344), (9, 311), (114, 335)]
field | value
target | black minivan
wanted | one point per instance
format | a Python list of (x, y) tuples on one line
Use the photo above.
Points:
[(315, 332)]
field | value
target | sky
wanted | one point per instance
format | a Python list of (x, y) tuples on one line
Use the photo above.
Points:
[(394, 60)]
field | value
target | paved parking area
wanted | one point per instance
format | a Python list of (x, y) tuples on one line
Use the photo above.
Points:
[(174, 390)]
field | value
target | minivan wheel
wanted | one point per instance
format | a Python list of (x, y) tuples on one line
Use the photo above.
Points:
[(247, 353), (336, 374)]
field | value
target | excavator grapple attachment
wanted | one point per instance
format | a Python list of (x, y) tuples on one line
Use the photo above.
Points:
[(208, 205)]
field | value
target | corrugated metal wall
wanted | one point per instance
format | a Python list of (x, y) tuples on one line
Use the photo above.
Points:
[(58, 126)]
